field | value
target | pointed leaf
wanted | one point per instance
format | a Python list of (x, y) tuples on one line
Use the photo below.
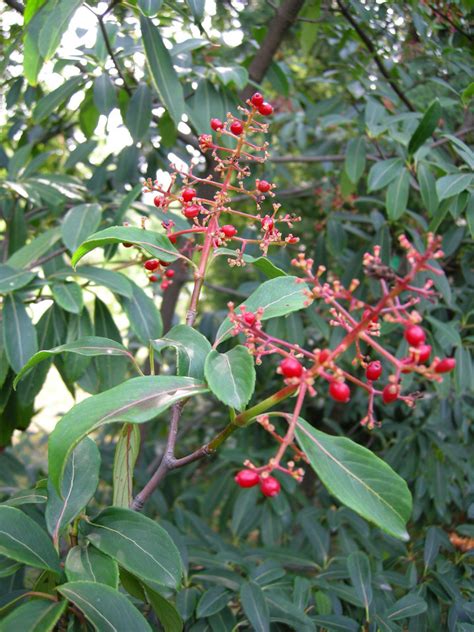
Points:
[(80, 222), (52, 101), (126, 453), (410, 605), (135, 401), (255, 607), (150, 7), (358, 566), (231, 376), (447, 186), (139, 113), (166, 612), (11, 279), (397, 195), (383, 172), (19, 335), (37, 615), (426, 127), (138, 544), (358, 478), (355, 159), (35, 249), (68, 296), (145, 319), (113, 281), (21, 539), (191, 347), (86, 563), (105, 98), (212, 601), (107, 609), (197, 8), (428, 188)]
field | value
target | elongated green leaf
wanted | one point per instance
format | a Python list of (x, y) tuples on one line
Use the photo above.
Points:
[(85, 346), (354, 164), (21, 539), (126, 453), (276, 297), (426, 127), (163, 74), (254, 606), (447, 186), (68, 296), (86, 563), (336, 623), (139, 113), (154, 244), (231, 376), (11, 279), (80, 222), (81, 477), (107, 609), (138, 544), (358, 566), (110, 370), (428, 188), (205, 103), (113, 281), (135, 401), (263, 264), (56, 19), (358, 478), (52, 101), (167, 614), (104, 94), (410, 605), (35, 249), (397, 195), (19, 335), (150, 7), (38, 495), (212, 601), (145, 319), (191, 347), (37, 615), (383, 172), (197, 8)]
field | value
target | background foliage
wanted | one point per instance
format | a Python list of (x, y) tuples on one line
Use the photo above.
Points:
[(91, 105)]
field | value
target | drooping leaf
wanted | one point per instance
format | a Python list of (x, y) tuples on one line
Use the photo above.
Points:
[(191, 347), (150, 7), (155, 244), (397, 195), (11, 279), (277, 297), (126, 453), (86, 563), (68, 296), (428, 188), (135, 401), (231, 376), (354, 164), (35, 249), (107, 609), (80, 222), (23, 540), (105, 98), (56, 19), (197, 8), (358, 566), (110, 370), (212, 601), (358, 478), (37, 615), (145, 319), (383, 172), (254, 606), (138, 544), (263, 264), (113, 281), (19, 335), (410, 605), (166, 612), (426, 127), (447, 186), (139, 113), (53, 100)]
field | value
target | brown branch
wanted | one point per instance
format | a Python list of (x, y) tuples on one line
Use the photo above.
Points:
[(371, 48)]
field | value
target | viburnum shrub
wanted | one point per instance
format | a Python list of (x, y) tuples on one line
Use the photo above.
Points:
[(359, 365)]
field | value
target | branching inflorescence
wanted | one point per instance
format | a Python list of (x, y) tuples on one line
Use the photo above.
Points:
[(305, 372)]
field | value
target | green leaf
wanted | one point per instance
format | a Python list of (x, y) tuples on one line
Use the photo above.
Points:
[(145, 319), (150, 7), (68, 296), (81, 477), (21, 539), (104, 94), (86, 563), (191, 347), (56, 18), (37, 615), (126, 453), (205, 104), (236, 76), (113, 281), (135, 401), (276, 297), (163, 74), (358, 566), (410, 605), (447, 186), (358, 478), (80, 222), (231, 376), (19, 335), (167, 614), (11, 279), (155, 244), (197, 8), (138, 544), (428, 188), (397, 195), (84, 346), (139, 113), (263, 264), (255, 607), (212, 601), (35, 249), (107, 609), (426, 127), (54, 100), (355, 159), (383, 172)]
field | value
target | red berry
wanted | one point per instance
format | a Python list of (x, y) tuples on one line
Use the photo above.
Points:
[(247, 478), (192, 211), (228, 230), (265, 109), (216, 124), (324, 355), (165, 284), (373, 371), (423, 353), (257, 99), (169, 274), (157, 201), (415, 335), (445, 366), (267, 223), (173, 239), (153, 278), (290, 367), (237, 128), (270, 486), (390, 393), (151, 264), (263, 186), (249, 318), (126, 244), (188, 195), (340, 392), (165, 264)]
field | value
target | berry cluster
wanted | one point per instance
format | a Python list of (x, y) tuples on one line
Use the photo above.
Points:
[(158, 270), (269, 485)]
